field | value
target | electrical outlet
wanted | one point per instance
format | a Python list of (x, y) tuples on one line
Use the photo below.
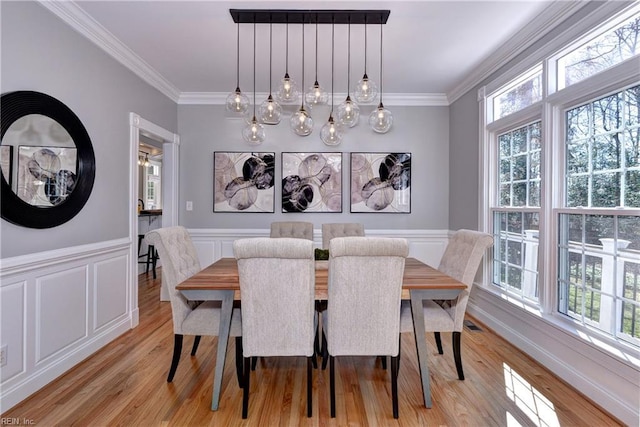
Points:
[(189, 205), (3, 355)]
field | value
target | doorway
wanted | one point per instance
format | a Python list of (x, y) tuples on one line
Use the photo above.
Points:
[(145, 133)]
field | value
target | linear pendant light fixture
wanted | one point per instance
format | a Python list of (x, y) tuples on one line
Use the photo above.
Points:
[(301, 123)]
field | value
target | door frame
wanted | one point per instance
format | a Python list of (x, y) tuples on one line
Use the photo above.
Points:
[(170, 168)]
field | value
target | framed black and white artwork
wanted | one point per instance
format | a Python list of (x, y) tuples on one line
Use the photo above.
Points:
[(243, 182), (311, 182), (381, 182)]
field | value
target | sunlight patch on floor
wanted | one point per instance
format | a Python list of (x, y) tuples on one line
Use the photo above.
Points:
[(529, 400)]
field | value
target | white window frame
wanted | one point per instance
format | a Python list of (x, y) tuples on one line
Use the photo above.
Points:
[(551, 113)]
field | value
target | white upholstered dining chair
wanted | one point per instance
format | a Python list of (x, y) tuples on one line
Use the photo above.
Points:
[(460, 260), (363, 313), (293, 229), (341, 229), (277, 315), (179, 262)]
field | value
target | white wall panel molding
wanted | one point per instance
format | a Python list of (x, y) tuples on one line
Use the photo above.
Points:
[(213, 244), (612, 382), (58, 308), (39, 260)]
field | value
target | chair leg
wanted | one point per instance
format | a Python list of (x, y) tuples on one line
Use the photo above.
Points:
[(154, 261), (456, 354), (196, 341), (177, 349), (314, 361), (383, 359), (325, 352), (309, 376), (394, 384), (399, 350), (438, 341), (332, 386), (254, 362), (245, 392), (239, 372)]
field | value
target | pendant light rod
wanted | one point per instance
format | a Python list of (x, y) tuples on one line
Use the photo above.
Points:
[(316, 51), (254, 70), (365, 47), (348, 58), (302, 100), (333, 31), (380, 64), (270, 54), (238, 59), (286, 63), (309, 16)]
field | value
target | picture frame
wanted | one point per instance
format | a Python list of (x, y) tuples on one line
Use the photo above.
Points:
[(243, 182), (6, 163), (46, 175), (311, 182), (380, 183)]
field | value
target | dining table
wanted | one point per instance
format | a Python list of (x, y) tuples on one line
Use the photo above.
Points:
[(220, 282)]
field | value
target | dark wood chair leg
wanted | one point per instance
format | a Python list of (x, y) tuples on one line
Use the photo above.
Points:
[(177, 349), (245, 392), (314, 361), (456, 354), (239, 372), (325, 352), (394, 384), (309, 377), (383, 359), (438, 341), (254, 362), (399, 350), (332, 386), (154, 261), (196, 342)]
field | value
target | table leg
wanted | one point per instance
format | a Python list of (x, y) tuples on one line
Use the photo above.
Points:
[(421, 344), (223, 339)]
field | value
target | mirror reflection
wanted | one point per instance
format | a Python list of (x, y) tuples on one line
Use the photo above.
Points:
[(38, 159)]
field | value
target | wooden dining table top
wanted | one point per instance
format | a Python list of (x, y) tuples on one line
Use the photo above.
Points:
[(223, 275)]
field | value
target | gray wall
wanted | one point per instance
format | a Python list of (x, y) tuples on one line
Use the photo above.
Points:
[(42, 53), (423, 131)]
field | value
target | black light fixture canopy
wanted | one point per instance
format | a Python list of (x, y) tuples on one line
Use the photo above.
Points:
[(308, 16)]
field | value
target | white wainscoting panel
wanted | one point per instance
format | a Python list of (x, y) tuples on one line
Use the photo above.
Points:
[(110, 289), (59, 307), (61, 310), (13, 326), (213, 244)]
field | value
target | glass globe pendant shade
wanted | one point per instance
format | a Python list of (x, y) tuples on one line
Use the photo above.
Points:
[(366, 90), (331, 132), (270, 111), (288, 92), (237, 102), (253, 132), (348, 112), (301, 122), (381, 119), (316, 95)]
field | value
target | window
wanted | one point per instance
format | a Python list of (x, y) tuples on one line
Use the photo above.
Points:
[(522, 92), (562, 184), (599, 256), (153, 188), (515, 251), (601, 52)]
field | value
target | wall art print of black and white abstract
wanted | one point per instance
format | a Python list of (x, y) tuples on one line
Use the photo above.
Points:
[(381, 182), (311, 182), (243, 182), (46, 175)]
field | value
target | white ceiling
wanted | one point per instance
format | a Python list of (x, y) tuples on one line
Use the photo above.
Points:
[(431, 48)]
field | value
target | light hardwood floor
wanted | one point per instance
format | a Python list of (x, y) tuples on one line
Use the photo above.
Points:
[(125, 384)]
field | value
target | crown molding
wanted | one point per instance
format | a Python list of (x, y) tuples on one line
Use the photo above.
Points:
[(390, 99), (547, 20), (79, 20)]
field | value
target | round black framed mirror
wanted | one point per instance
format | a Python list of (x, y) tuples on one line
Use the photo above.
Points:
[(46, 159)]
